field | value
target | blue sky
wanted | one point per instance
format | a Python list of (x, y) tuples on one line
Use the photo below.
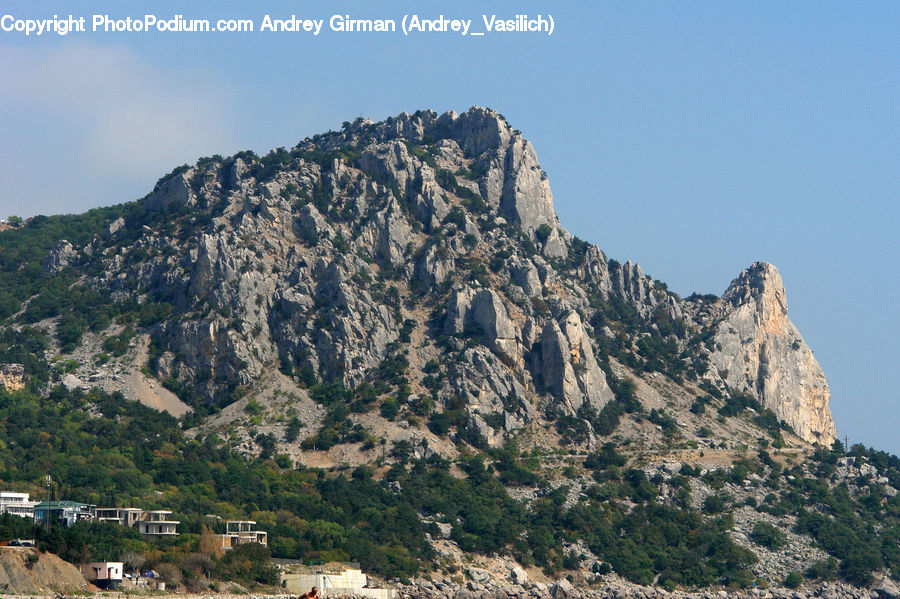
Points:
[(693, 138)]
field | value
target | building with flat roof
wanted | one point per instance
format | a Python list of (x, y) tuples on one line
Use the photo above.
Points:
[(154, 524), (105, 575), (17, 504), (157, 524), (123, 516), (238, 532), (332, 580)]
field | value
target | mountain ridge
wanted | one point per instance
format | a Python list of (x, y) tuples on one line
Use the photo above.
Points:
[(376, 200), (399, 303)]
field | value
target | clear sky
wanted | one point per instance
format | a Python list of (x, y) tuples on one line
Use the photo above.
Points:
[(693, 138)]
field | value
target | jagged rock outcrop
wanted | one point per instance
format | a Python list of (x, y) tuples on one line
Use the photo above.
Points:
[(485, 310), (61, 256), (172, 191), (526, 199), (430, 238), (525, 275), (311, 225), (113, 228), (568, 367), (759, 350)]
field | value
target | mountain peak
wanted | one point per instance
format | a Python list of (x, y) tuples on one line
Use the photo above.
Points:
[(760, 283), (760, 351), (323, 258)]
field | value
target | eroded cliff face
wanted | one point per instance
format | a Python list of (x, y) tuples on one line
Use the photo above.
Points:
[(759, 350), (429, 244)]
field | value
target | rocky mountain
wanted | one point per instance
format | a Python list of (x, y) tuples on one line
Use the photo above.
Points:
[(432, 240), (404, 290)]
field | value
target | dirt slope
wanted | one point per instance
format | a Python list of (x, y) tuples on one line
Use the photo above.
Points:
[(20, 575)]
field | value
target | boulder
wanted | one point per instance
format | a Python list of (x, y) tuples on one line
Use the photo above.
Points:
[(478, 574), (113, 228), (887, 589), (562, 589), (518, 575)]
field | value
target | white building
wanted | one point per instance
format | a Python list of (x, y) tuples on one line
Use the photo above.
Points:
[(123, 516), (17, 504), (105, 575)]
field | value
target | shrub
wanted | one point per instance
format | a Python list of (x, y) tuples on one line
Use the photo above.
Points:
[(767, 535), (714, 504), (793, 580), (543, 232), (250, 562), (293, 430)]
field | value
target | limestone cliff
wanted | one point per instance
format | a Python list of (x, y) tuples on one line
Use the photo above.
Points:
[(759, 350), (425, 250)]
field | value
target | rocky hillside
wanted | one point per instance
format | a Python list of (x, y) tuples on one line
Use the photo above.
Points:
[(425, 248), (403, 291)]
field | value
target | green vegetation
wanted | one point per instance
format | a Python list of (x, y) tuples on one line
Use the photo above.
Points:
[(768, 535), (793, 580), (128, 453)]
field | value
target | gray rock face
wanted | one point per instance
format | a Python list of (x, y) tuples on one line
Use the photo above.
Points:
[(759, 350), (392, 234), (484, 310), (61, 256), (526, 200), (173, 191), (113, 228), (489, 313), (311, 225), (568, 366), (525, 275), (631, 285), (434, 266), (431, 205), (391, 161), (458, 311), (439, 226)]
